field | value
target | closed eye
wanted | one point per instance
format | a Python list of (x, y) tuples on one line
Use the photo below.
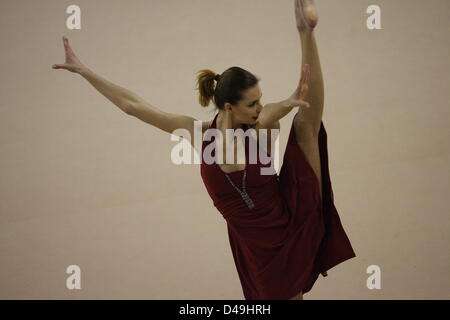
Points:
[(253, 103)]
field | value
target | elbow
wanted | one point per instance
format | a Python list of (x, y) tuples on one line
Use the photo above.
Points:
[(128, 108), (128, 111)]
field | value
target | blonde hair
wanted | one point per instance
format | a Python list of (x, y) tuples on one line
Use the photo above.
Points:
[(205, 86)]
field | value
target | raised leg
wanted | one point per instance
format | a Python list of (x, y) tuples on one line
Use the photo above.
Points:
[(306, 16), (309, 144), (307, 121)]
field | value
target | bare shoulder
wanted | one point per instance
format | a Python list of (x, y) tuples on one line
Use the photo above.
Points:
[(206, 125)]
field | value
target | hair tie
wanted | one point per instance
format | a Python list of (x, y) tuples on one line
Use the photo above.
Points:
[(217, 77)]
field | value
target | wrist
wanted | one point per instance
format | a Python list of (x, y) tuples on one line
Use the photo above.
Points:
[(83, 71), (286, 103)]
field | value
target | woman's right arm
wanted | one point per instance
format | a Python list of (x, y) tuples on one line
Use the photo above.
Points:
[(135, 106), (121, 97), (126, 100)]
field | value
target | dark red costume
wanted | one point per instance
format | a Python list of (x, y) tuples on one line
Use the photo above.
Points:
[(281, 235)]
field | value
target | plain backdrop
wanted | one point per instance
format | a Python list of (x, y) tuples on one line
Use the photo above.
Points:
[(83, 183)]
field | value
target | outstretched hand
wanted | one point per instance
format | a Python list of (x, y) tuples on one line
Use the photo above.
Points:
[(72, 63), (296, 99)]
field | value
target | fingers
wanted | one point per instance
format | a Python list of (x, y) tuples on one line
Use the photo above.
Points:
[(302, 77), (307, 73), (301, 103), (67, 47), (304, 80), (59, 66), (302, 88)]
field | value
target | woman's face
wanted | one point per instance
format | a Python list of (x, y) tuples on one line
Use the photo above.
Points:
[(248, 108)]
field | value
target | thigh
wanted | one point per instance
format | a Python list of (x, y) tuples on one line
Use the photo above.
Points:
[(308, 141), (306, 125), (304, 131)]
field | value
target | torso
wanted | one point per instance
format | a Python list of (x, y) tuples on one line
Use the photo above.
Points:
[(312, 156), (228, 168)]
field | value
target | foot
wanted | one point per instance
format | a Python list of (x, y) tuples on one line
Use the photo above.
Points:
[(305, 15)]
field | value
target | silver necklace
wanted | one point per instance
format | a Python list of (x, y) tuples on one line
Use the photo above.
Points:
[(243, 192)]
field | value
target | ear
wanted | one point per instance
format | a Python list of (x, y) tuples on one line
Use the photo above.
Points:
[(228, 107)]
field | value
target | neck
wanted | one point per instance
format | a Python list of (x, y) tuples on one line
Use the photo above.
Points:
[(225, 121)]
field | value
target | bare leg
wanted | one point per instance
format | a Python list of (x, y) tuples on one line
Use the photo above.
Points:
[(308, 120), (306, 16)]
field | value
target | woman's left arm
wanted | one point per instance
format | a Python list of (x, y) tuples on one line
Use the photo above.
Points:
[(273, 112)]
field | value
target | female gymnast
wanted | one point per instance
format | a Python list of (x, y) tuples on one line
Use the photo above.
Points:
[(283, 230)]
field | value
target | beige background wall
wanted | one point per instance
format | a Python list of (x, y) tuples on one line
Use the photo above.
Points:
[(83, 183)]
